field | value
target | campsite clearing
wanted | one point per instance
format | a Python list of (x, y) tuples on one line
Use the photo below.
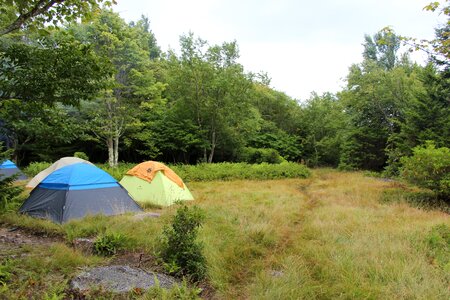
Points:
[(328, 236)]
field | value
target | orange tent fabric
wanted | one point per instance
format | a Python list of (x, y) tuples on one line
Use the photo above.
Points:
[(148, 169)]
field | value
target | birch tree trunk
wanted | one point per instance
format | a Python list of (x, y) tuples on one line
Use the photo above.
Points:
[(213, 147), (116, 150), (109, 143)]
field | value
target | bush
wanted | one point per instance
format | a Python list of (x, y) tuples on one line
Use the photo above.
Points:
[(36, 167), (180, 251), (109, 244), (233, 171), (259, 155), (428, 167), (81, 155)]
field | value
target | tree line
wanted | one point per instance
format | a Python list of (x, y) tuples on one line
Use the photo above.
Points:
[(103, 86)]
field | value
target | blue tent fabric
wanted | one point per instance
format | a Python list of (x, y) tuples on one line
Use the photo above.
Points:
[(78, 176), (8, 168), (7, 164), (76, 191)]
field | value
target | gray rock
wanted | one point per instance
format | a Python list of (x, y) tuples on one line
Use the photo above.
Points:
[(142, 216), (84, 245), (119, 279)]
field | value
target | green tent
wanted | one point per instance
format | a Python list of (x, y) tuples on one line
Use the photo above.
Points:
[(155, 183)]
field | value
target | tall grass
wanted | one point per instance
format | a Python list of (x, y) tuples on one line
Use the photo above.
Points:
[(328, 236), (325, 237)]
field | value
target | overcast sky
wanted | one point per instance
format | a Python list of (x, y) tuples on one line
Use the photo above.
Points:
[(304, 46)]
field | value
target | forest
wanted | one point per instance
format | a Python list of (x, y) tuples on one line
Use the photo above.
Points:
[(104, 87)]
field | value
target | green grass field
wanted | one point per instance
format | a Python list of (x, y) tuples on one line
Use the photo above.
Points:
[(330, 236)]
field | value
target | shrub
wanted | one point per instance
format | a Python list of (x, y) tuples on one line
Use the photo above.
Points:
[(233, 171), (109, 244), (180, 251), (35, 167), (428, 167), (81, 155), (259, 155)]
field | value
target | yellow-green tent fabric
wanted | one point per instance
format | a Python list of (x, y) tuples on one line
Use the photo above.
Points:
[(158, 188)]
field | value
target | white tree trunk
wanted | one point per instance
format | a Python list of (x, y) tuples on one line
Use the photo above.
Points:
[(213, 147), (109, 143), (116, 151)]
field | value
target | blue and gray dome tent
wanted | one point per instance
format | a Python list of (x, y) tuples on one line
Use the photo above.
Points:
[(8, 168), (76, 191)]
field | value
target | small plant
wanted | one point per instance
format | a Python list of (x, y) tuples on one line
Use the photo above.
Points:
[(109, 244), (181, 253), (5, 271), (182, 291)]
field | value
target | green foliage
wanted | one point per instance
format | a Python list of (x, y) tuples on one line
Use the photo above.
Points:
[(38, 14), (422, 199), (57, 69), (211, 89), (41, 271), (35, 167), (438, 242), (109, 244), (126, 47), (259, 155), (81, 155), (6, 267), (225, 171), (8, 190), (180, 250), (234, 171), (269, 136), (382, 48), (374, 102), (321, 131), (429, 167), (182, 292)]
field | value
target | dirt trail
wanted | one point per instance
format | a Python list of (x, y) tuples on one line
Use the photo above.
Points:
[(18, 236)]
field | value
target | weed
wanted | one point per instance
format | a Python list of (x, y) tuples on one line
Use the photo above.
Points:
[(182, 292), (109, 244), (438, 242), (6, 267)]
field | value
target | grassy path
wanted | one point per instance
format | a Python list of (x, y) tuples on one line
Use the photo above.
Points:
[(326, 237)]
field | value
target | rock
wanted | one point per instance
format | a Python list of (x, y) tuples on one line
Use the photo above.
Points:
[(146, 215), (84, 245), (275, 273), (119, 279)]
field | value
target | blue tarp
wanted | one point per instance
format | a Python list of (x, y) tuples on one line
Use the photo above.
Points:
[(79, 176)]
